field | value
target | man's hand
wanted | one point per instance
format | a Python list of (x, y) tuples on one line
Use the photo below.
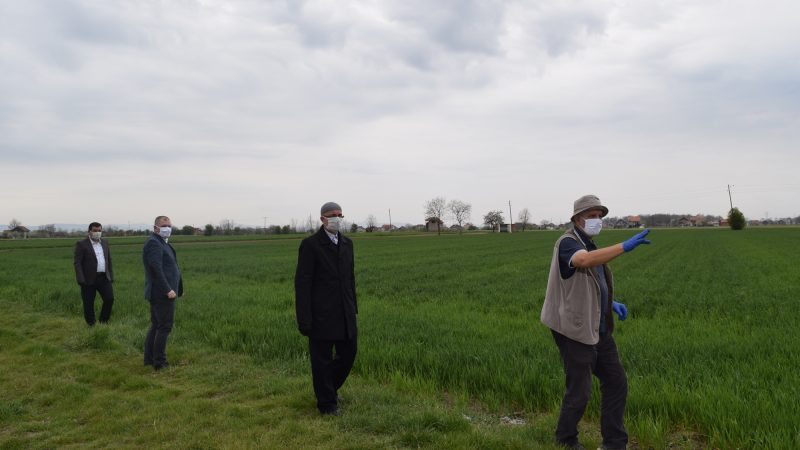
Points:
[(635, 241), (172, 295), (620, 309)]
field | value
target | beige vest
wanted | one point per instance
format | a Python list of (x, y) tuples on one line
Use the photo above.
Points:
[(572, 306)]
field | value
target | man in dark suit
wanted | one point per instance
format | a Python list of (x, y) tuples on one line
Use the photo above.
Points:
[(325, 295), (94, 274), (162, 285)]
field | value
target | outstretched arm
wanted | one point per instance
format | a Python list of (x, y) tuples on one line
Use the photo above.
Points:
[(584, 259)]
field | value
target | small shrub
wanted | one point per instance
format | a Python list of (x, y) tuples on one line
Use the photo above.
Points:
[(736, 219)]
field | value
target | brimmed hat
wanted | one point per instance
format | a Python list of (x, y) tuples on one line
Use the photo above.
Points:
[(588, 202)]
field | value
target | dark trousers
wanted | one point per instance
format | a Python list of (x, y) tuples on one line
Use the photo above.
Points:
[(330, 371), (88, 294), (162, 315), (580, 362)]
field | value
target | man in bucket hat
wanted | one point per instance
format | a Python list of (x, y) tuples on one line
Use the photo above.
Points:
[(578, 310)]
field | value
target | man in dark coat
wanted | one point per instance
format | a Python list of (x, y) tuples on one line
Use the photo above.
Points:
[(162, 285), (325, 294), (93, 272)]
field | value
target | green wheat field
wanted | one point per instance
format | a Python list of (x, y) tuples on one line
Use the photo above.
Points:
[(451, 351)]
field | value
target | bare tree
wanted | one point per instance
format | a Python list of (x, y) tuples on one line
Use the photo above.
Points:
[(14, 224), (372, 223), (493, 218), (310, 224), (460, 211), (524, 218), (227, 226), (436, 209)]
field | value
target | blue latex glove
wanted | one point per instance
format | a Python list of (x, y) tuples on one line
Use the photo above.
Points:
[(620, 309), (635, 241)]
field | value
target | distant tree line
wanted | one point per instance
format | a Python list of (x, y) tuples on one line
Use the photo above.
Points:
[(696, 220), (436, 212)]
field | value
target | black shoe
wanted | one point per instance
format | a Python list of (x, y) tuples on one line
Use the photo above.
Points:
[(331, 412), (161, 367), (575, 446)]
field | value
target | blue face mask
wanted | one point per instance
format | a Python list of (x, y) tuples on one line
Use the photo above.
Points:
[(592, 227)]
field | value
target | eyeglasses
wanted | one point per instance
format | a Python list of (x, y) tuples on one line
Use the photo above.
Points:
[(334, 215)]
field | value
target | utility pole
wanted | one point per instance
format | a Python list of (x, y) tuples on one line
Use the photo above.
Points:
[(511, 217), (729, 196), (390, 219), (265, 224)]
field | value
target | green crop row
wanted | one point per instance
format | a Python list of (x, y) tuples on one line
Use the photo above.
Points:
[(709, 347)]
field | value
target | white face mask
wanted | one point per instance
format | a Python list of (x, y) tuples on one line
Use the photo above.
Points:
[(334, 223), (165, 232), (592, 227), (95, 235)]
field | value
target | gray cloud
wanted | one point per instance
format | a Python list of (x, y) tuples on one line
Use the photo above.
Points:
[(477, 100)]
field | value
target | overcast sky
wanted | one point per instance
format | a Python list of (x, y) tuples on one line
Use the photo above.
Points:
[(204, 110)]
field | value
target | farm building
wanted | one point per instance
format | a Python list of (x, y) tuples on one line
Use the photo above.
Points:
[(433, 224), (506, 228), (628, 222), (17, 232), (698, 220)]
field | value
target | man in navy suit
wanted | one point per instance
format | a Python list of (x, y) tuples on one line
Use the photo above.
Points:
[(162, 285), (94, 273), (325, 296)]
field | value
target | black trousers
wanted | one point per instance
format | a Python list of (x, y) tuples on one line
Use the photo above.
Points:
[(162, 316), (328, 370), (580, 362), (88, 294)]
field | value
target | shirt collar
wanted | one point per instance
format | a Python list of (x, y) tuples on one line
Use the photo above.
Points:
[(334, 237), (587, 241)]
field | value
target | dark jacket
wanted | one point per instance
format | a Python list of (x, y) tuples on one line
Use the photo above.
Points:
[(85, 261), (161, 272), (325, 288)]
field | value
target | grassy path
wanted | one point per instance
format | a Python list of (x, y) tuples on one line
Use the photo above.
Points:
[(64, 385)]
